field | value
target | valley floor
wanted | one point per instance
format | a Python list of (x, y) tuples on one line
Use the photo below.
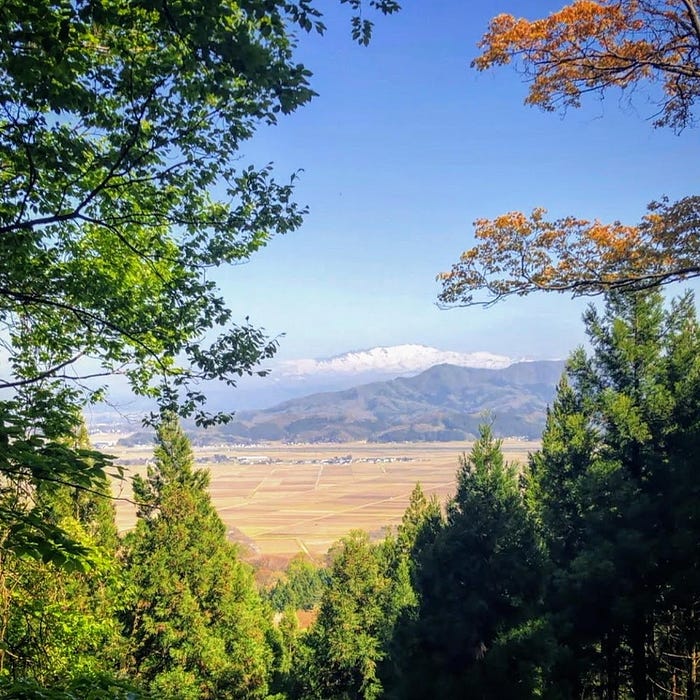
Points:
[(280, 499)]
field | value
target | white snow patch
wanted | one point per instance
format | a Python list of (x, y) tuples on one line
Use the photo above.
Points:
[(397, 359)]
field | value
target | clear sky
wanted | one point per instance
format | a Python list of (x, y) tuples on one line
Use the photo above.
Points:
[(405, 146)]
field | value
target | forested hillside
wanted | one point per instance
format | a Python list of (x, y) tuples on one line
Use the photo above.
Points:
[(575, 577), (443, 403)]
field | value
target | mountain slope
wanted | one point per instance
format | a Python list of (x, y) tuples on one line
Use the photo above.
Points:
[(445, 402)]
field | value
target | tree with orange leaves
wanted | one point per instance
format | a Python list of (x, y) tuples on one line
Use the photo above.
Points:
[(517, 254), (590, 46)]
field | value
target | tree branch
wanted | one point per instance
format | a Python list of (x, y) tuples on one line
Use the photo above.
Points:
[(41, 375)]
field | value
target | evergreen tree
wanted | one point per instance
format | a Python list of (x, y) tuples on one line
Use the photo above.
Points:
[(367, 612), (421, 521), (419, 526), (617, 504), (302, 586), (196, 626), (478, 586), (346, 646)]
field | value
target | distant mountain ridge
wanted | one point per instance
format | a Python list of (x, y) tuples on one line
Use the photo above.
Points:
[(444, 402)]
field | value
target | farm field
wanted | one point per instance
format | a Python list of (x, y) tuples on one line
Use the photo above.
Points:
[(281, 499)]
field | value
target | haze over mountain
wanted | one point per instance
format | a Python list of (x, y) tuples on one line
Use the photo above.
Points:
[(445, 402), (317, 392)]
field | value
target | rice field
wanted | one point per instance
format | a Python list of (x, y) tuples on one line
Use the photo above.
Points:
[(282, 499)]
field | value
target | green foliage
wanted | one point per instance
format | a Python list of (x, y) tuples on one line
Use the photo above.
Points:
[(91, 687), (301, 588), (616, 501), (122, 186), (58, 615), (420, 523), (345, 648), (478, 583), (36, 461), (196, 625)]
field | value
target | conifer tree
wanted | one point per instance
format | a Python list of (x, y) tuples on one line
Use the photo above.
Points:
[(478, 586), (617, 503), (348, 645), (196, 624)]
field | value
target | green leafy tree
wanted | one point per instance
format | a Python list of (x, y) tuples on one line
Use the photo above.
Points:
[(58, 618), (122, 186), (196, 625)]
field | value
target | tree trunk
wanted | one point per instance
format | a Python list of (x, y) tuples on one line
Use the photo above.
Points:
[(612, 671), (639, 657)]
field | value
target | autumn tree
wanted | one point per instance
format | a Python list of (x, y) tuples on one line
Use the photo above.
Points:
[(595, 45), (590, 46)]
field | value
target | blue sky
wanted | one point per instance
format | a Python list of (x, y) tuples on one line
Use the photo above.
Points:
[(405, 146)]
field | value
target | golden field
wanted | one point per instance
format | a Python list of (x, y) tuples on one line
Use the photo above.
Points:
[(281, 499)]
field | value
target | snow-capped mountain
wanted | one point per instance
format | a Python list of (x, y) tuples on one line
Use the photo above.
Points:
[(398, 360), (293, 379)]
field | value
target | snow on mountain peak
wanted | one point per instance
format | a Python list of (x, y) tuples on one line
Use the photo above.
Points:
[(397, 359)]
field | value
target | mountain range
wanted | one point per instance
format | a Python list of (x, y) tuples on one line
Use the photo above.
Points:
[(290, 379), (444, 402)]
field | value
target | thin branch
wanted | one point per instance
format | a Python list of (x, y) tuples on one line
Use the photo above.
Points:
[(82, 314), (694, 17), (41, 375)]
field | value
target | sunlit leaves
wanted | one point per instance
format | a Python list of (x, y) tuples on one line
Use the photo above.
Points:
[(594, 45), (121, 184), (516, 254)]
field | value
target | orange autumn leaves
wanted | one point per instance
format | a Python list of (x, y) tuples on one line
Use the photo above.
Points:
[(591, 46), (519, 254)]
